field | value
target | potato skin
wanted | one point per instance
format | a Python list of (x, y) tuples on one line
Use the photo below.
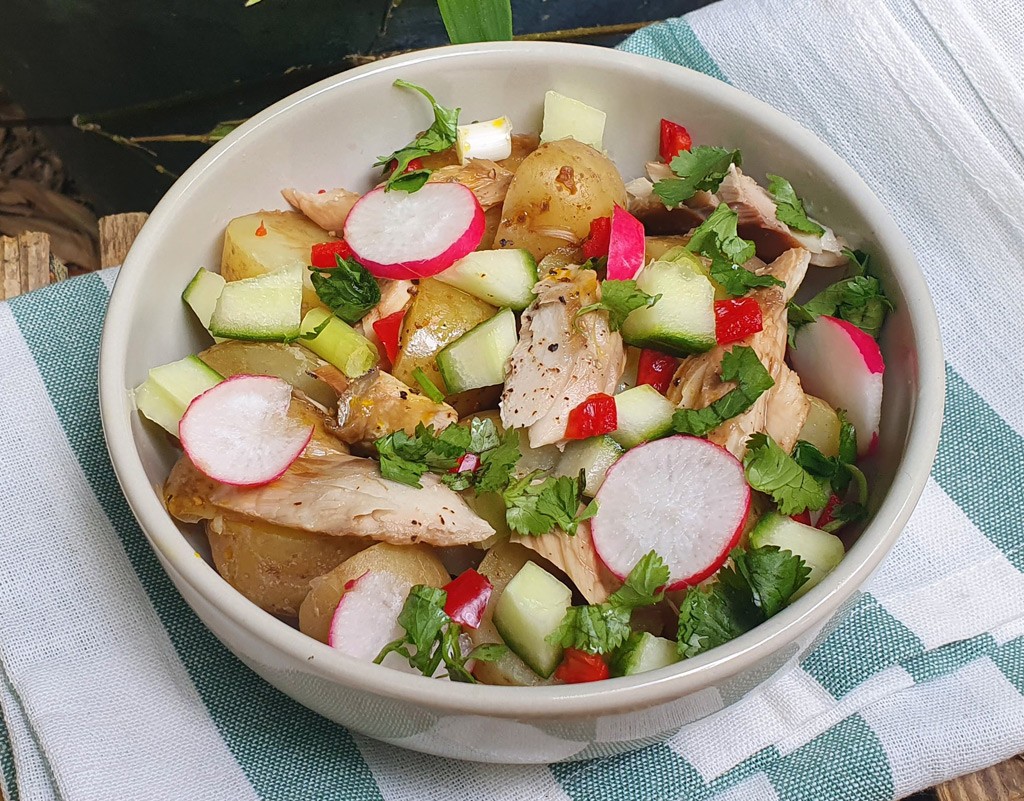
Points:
[(555, 193), (271, 565), (418, 564)]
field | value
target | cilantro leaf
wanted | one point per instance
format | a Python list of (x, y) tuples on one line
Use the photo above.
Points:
[(844, 513), (831, 469), (536, 508), (701, 168), (771, 470), (497, 462), (348, 290), (741, 365), (399, 459), (600, 628), (789, 208), (847, 438), (758, 583), (619, 299), (860, 262), (717, 239), (439, 136)]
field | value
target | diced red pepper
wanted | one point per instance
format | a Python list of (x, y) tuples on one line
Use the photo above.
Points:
[(674, 137), (829, 511), (388, 330), (804, 517), (468, 595), (597, 415), (736, 319), (468, 463), (323, 254), (596, 245), (262, 230), (656, 369), (579, 666)]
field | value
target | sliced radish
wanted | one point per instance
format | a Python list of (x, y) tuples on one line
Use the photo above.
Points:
[(626, 246), (239, 432), (367, 615), (843, 366), (684, 497), (400, 234)]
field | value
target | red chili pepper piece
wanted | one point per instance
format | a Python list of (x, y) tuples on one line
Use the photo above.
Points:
[(468, 463), (262, 230), (736, 319), (388, 330), (468, 595), (592, 418), (827, 514), (674, 137), (656, 369), (596, 245), (579, 666), (323, 254), (804, 517), (415, 164)]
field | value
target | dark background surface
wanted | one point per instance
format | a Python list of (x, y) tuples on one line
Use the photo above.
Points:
[(148, 68)]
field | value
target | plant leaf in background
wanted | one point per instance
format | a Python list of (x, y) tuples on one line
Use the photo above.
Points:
[(477, 20)]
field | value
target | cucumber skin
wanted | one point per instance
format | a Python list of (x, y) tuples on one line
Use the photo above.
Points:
[(643, 652), (674, 345), (201, 281), (445, 359), (542, 657), (262, 332), (781, 531), (631, 438), (643, 328), (456, 276)]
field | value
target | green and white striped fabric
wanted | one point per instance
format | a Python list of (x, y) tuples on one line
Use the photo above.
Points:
[(112, 689)]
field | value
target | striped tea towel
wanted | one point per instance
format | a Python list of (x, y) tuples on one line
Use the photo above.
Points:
[(112, 689)]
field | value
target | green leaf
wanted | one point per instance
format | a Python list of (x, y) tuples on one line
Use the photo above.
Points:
[(717, 239), (497, 462), (596, 629), (483, 435), (741, 365), (396, 467), (644, 585), (619, 299), (488, 652), (701, 168), (439, 136), (429, 387), (860, 262), (845, 513), (847, 438), (477, 20), (859, 299), (773, 576), (348, 290), (789, 208), (771, 470), (536, 508)]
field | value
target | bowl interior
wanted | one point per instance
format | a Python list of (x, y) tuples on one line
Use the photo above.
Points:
[(330, 134)]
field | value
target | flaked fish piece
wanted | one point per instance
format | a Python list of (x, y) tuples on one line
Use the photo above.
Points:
[(337, 495), (377, 404), (772, 237), (575, 556), (560, 358), (782, 410), (484, 178), (647, 207), (327, 209)]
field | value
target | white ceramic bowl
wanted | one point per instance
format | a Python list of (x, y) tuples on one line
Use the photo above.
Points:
[(329, 135)]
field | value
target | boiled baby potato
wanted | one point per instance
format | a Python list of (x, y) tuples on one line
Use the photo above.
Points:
[(438, 314), (822, 427), (291, 363), (269, 240), (418, 564), (271, 565), (557, 190)]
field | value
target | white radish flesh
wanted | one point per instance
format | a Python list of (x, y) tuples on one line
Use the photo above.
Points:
[(367, 615), (396, 234), (239, 432), (626, 246), (683, 497), (843, 366)]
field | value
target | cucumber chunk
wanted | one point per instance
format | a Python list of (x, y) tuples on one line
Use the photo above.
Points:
[(565, 117), (478, 358), (202, 294), (267, 308), (820, 550), (643, 414), (642, 652), (530, 608), (594, 456), (683, 320), (338, 343), (500, 277), (165, 395)]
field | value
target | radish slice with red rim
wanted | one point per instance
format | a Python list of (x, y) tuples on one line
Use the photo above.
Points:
[(366, 618), (239, 431), (396, 234), (683, 497), (626, 246)]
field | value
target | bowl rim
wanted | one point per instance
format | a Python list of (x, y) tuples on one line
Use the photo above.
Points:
[(558, 701)]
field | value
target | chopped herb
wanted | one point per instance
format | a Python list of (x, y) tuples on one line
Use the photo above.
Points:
[(537, 507), (771, 470), (716, 239), (701, 168), (847, 438), (429, 387), (600, 628), (741, 365), (758, 583), (789, 208), (619, 299), (348, 290), (497, 462), (432, 637), (844, 513), (439, 136)]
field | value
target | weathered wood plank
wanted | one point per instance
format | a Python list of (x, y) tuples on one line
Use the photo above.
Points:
[(117, 232), (25, 262), (1002, 782)]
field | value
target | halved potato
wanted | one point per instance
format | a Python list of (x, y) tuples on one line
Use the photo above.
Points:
[(292, 363), (822, 427), (418, 564), (269, 240), (271, 565)]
